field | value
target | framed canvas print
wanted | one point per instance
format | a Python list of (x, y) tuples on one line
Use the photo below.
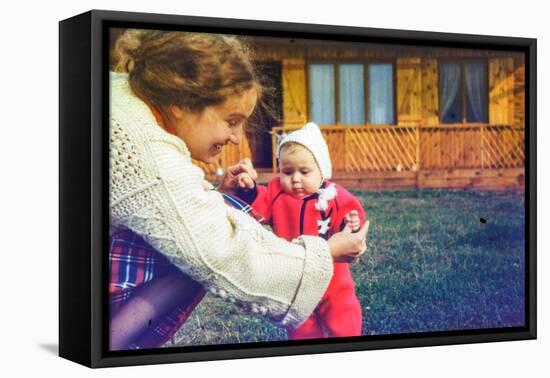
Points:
[(234, 188)]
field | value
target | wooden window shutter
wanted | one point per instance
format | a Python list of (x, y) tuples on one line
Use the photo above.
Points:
[(294, 91), (430, 93), (501, 91), (409, 88), (519, 93)]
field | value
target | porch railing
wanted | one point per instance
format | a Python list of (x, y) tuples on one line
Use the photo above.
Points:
[(382, 148), (385, 148)]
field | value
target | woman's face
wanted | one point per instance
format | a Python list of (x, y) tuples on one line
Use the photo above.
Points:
[(206, 132)]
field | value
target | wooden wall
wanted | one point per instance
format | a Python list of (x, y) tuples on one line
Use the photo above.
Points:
[(279, 48), (416, 76), (418, 93), (455, 178)]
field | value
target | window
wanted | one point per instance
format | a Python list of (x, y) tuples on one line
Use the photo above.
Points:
[(321, 93), (338, 92), (352, 94), (463, 92), (381, 94)]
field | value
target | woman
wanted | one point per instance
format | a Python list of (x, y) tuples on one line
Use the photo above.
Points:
[(185, 96)]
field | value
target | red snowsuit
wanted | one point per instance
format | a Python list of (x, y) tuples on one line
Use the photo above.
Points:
[(338, 314)]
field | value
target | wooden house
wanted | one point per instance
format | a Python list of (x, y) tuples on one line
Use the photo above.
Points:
[(395, 116)]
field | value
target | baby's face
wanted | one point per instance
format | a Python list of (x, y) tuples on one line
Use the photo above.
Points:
[(300, 176)]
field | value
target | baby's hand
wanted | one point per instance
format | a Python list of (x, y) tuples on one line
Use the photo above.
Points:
[(352, 221)]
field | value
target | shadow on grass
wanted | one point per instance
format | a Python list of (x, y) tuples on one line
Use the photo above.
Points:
[(495, 235)]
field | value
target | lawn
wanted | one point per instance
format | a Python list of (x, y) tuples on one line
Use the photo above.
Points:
[(437, 260)]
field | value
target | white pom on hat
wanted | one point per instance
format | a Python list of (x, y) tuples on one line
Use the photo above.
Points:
[(310, 137)]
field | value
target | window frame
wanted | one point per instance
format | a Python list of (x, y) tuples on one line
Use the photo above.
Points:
[(463, 100), (336, 67)]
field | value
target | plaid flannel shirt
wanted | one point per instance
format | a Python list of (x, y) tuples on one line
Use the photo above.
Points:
[(133, 262)]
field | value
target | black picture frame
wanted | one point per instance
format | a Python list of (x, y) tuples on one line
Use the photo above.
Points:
[(83, 196)]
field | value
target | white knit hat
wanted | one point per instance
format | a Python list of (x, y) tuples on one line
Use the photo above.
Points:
[(311, 138)]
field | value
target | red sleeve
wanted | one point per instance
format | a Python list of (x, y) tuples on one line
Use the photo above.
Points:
[(260, 198), (262, 202), (346, 203)]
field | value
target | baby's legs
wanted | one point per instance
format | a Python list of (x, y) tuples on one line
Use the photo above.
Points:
[(340, 311), (310, 329), (341, 315)]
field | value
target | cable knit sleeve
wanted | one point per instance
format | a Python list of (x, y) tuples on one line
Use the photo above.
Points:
[(158, 193)]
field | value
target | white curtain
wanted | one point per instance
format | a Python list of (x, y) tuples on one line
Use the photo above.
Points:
[(449, 86), (352, 94), (476, 92), (321, 94), (381, 94)]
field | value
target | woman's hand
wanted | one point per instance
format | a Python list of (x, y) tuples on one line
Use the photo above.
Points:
[(238, 176), (346, 246)]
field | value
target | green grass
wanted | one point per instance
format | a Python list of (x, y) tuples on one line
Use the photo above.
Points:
[(431, 265)]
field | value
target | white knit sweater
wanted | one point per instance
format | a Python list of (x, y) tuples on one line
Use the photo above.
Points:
[(156, 191)]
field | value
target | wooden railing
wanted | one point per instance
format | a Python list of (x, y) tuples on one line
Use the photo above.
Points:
[(382, 148), (385, 148)]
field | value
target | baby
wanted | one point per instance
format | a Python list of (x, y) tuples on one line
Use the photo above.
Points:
[(302, 201)]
